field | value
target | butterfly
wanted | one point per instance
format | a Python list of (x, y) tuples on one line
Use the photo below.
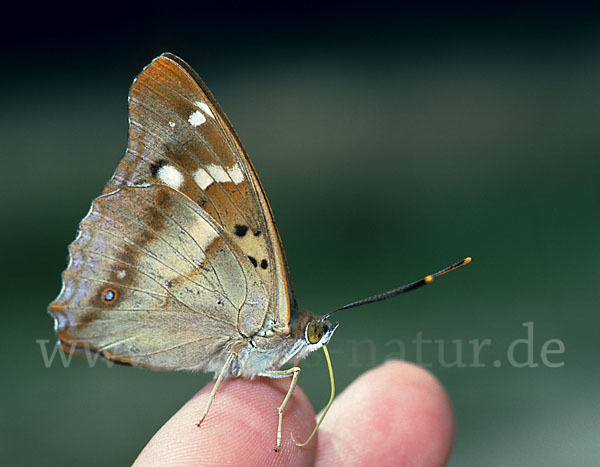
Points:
[(178, 265)]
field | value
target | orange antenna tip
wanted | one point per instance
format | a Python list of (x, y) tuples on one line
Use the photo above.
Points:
[(468, 260)]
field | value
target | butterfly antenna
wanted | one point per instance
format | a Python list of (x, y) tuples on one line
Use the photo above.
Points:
[(400, 290)]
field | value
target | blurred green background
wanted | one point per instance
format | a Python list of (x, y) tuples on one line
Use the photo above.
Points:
[(391, 142)]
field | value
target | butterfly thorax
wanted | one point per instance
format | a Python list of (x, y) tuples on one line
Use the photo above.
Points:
[(272, 347)]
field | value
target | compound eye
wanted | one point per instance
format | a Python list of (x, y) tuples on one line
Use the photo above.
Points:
[(314, 332)]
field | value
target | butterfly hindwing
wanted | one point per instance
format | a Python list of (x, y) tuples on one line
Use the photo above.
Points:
[(156, 282)]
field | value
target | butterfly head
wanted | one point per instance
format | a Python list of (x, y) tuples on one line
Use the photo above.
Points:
[(318, 332), (311, 333)]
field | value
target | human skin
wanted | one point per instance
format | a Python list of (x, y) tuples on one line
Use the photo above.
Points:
[(396, 414)]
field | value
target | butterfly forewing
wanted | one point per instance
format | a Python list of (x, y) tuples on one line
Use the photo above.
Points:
[(179, 136), (182, 244)]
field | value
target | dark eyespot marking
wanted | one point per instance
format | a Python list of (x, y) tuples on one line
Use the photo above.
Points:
[(109, 295), (155, 167), (253, 261), (240, 230), (219, 303), (257, 233), (264, 264), (169, 284)]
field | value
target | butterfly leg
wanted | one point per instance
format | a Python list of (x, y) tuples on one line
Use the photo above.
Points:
[(294, 372), (220, 378)]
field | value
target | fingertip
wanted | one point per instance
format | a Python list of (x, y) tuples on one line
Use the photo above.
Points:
[(240, 428), (395, 414)]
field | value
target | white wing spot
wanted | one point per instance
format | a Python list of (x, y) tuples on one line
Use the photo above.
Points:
[(121, 274), (236, 174), (196, 118), (205, 108), (216, 173), (172, 124), (202, 178), (170, 176)]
